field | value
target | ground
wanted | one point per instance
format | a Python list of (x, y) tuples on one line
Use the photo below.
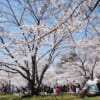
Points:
[(49, 97)]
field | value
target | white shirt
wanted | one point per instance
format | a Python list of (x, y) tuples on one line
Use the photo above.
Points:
[(91, 87)]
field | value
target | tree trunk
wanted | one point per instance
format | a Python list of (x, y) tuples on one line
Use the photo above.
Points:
[(42, 76), (32, 89)]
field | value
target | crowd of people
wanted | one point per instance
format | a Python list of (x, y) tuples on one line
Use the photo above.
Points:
[(8, 89), (70, 87), (89, 88)]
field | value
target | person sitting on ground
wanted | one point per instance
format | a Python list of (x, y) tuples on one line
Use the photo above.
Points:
[(90, 88)]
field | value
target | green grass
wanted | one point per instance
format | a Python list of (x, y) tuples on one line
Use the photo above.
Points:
[(61, 97), (49, 97), (8, 97)]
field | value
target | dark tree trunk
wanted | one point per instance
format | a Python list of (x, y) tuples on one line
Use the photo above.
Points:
[(42, 76), (33, 90)]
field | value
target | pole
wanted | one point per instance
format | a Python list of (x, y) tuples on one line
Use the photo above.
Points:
[(9, 82)]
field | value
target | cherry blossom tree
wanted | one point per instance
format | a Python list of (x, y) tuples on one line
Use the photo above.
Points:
[(35, 31), (84, 60)]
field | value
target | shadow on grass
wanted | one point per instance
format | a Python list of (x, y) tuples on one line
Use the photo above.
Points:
[(26, 96)]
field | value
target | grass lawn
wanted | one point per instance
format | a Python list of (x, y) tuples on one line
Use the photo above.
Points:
[(49, 97), (8, 97)]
